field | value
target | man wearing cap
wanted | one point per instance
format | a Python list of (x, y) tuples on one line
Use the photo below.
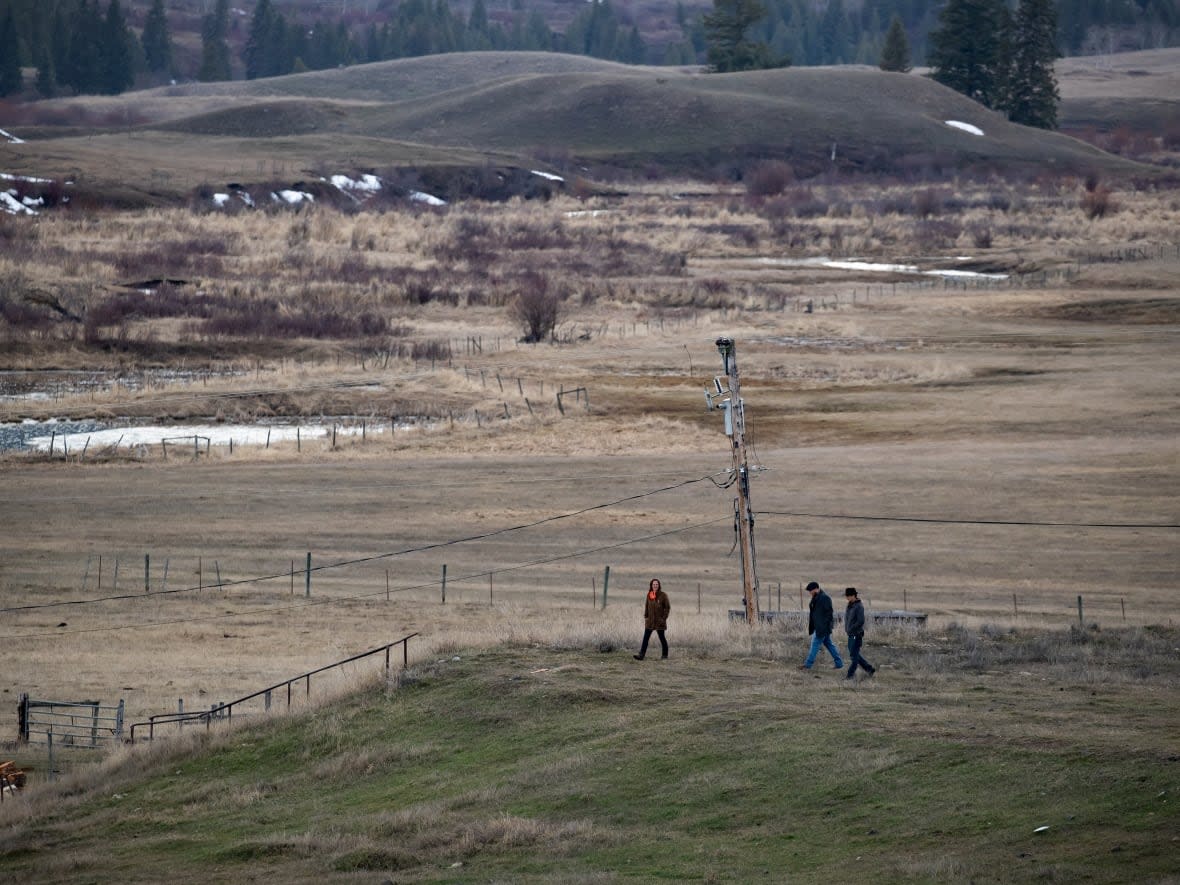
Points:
[(854, 626), (820, 619)]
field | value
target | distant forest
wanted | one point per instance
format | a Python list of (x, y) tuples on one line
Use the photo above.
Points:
[(108, 46)]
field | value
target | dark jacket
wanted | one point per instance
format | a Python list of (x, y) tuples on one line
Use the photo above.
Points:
[(655, 612), (820, 617), (854, 619)]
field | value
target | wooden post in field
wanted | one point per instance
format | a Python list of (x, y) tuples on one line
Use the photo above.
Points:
[(307, 577), (1123, 605), (292, 577), (605, 584), (593, 592), (164, 580), (491, 590), (1081, 620), (147, 572), (698, 597), (1015, 610), (200, 575), (115, 577), (387, 585), (444, 584), (904, 602)]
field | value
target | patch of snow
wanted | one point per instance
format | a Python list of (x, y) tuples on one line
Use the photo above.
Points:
[(583, 213), (966, 127), (7, 177), (292, 198), (10, 204), (369, 183), (246, 198), (879, 267), (219, 200), (548, 175), (12, 139), (428, 199)]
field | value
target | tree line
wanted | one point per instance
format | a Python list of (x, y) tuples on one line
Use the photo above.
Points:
[(86, 46)]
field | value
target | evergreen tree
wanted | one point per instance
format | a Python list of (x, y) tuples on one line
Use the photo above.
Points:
[(157, 42), (728, 47), (84, 65), (1031, 93), (258, 52), (10, 72), (895, 56), (967, 49), (214, 48), (118, 63), (46, 78)]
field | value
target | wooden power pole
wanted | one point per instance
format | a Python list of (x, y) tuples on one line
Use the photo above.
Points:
[(729, 397)]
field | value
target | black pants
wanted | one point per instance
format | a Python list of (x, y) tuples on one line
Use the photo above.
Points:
[(647, 637)]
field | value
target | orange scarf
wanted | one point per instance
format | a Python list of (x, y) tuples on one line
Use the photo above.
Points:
[(651, 594)]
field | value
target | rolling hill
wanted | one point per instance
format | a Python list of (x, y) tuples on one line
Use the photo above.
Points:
[(568, 114)]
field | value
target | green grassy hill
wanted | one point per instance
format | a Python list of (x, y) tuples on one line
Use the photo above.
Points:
[(991, 757), (514, 108)]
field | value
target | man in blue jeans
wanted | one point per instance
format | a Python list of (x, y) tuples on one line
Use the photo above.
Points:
[(820, 620), (854, 626)]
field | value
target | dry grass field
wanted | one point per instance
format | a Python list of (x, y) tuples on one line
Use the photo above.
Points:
[(984, 452)]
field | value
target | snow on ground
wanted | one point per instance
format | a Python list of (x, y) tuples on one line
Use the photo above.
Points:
[(10, 204), (292, 197), (548, 175), (182, 436), (428, 199), (966, 127), (10, 138), (877, 267), (7, 177)]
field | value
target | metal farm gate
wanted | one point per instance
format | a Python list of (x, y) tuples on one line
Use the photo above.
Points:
[(81, 724)]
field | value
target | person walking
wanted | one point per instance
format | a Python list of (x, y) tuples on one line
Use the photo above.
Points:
[(854, 626), (820, 619), (655, 617)]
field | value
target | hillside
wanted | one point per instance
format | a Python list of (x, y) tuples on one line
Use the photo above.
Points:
[(716, 765), (568, 114)]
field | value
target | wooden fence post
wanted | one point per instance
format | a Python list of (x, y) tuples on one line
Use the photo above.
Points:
[(605, 584), (307, 577)]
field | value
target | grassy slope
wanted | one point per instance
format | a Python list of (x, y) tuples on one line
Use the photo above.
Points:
[(1138, 89), (495, 104), (589, 767)]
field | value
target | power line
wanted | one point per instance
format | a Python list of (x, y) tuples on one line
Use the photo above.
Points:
[(374, 557), (1008, 522), (352, 598)]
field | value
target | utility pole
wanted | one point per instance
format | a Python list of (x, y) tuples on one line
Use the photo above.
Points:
[(729, 397)]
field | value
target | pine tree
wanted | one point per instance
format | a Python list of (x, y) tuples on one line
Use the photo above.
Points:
[(728, 47), (895, 55), (214, 49), (967, 49), (157, 42), (259, 51), (46, 78), (118, 67), (1031, 94), (83, 70), (10, 72)]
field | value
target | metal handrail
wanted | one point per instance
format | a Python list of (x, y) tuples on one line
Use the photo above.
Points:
[(225, 711)]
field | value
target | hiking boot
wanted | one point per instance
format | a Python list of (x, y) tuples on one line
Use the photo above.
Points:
[(637, 657)]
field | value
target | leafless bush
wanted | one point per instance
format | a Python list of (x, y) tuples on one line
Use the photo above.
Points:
[(1097, 202), (769, 179), (536, 309), (931, 234), (981, 235), (438, 349), (928, 202)]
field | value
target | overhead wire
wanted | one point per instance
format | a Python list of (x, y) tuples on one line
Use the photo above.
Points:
[(336, 600), (371, 558)]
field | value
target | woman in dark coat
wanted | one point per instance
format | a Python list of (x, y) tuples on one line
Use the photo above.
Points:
[(655, 617)]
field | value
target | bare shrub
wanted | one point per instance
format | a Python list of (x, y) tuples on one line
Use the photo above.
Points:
[(1097, 202), (927, 202), (769, 179), (981, 235), (536, 309), (437, 349), (932, 234)]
